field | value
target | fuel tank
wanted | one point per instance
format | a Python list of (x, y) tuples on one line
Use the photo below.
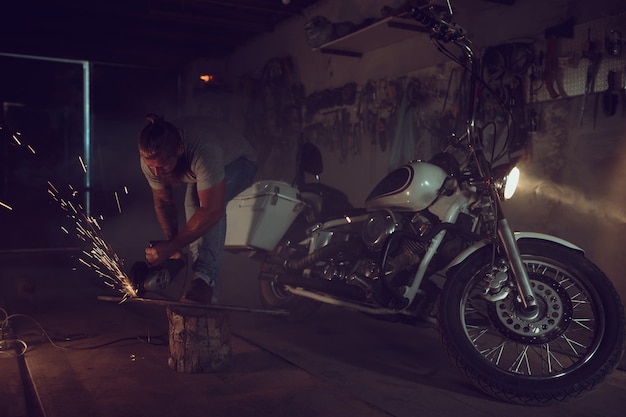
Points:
[(412, 187)]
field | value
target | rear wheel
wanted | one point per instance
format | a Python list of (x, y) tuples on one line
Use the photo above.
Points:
[(274, 295), (567, 350), (277, 297)]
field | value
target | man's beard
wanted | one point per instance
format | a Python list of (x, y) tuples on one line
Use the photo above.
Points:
[(176, 175)]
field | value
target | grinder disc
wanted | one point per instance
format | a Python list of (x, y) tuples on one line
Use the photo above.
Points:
[(138, 274)]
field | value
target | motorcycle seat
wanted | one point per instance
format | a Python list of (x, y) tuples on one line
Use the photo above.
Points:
[(327, 202)]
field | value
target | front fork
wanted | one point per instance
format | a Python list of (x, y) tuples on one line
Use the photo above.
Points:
[(509, 243)]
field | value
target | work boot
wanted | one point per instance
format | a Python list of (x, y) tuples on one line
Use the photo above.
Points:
[(199, 292)]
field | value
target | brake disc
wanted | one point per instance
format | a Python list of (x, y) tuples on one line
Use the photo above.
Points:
[(555, 314)]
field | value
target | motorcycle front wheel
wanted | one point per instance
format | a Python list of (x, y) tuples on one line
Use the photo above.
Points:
[(574, 343)]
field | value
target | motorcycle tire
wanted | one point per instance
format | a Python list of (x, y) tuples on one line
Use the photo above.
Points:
[(275, 296), (568, 350)]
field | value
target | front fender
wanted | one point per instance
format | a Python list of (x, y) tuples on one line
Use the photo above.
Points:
[(518, 235)]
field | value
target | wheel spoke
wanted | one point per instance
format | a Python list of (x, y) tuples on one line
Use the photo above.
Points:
[(581, 322), (573, 344), (521, 359), (549, 357), (481, 332), (555, 342), (494, 352)]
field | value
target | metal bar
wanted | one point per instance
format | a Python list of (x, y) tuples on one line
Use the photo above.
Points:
[(172, 303)]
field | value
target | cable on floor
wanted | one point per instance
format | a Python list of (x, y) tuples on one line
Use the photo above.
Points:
[(151, 340)]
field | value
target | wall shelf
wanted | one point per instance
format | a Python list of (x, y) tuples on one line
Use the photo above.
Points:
[(377, 35)]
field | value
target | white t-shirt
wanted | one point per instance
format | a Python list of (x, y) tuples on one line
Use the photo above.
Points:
[(208, 149)]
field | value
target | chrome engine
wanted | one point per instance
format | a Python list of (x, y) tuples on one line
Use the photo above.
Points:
[(354, 253)]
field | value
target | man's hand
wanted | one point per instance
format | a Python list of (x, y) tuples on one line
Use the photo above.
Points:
[(161, 250), (210, 211)]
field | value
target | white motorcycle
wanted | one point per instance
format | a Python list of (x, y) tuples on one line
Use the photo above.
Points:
[(525, 316)]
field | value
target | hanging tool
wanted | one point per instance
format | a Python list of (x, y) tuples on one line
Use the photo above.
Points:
[(564, 30), (610, 99), (613, 43), (595, 58)]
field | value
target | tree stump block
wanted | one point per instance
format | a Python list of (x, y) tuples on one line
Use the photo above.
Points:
[(199, 340)]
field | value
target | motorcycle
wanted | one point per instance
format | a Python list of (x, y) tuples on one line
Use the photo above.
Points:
[(525, 316)]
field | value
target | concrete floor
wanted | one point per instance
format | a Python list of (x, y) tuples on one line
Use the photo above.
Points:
[(98, 361)]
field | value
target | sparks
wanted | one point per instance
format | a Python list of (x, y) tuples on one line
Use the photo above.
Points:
[(99, 257), (117, 200), (6, 206), (54, 190), (82, 164), (19, 141)]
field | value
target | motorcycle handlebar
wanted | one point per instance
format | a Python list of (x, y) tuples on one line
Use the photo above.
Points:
[(425, 19), (440, 28)]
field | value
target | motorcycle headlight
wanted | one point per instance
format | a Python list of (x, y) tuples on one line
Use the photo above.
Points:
[(506, 182), (511, 182)]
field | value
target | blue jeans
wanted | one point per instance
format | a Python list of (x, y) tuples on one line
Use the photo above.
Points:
[(206, 252)]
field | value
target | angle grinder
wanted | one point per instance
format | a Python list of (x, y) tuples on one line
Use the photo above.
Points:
[(154, 278)]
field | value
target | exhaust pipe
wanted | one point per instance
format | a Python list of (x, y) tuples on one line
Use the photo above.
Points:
[(317, 256), (337, 288), (292, 267)]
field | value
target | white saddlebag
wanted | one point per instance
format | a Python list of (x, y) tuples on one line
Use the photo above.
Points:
[(259, 216)]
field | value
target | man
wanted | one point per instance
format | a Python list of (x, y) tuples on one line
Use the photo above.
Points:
[(216, 164)]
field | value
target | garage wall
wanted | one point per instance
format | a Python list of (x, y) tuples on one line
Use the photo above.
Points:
[(574, 186)]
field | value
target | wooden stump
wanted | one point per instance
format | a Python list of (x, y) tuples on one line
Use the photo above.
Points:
[(199, 340)]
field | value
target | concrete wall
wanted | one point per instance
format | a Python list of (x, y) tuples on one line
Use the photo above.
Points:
[(576, 170)]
